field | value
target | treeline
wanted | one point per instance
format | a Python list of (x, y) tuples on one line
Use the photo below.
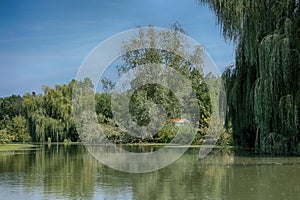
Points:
[(263, 86), (49, 117)]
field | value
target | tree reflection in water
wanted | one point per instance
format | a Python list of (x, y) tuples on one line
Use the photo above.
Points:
[(69, 171)]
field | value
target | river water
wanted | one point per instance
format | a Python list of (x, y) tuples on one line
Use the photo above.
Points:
[(70, 172)]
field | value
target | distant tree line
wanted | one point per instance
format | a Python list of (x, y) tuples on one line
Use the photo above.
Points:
[(48, 117)]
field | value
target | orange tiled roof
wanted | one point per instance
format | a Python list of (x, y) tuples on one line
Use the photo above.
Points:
[(175, 120)]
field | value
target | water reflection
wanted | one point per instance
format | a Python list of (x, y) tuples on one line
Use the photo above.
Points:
[(69, 172), (60, 170)]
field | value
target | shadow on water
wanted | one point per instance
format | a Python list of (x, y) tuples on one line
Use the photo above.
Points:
[(69, 171)]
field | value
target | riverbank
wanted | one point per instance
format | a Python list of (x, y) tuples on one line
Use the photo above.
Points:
[(4, 148), (29, 146)]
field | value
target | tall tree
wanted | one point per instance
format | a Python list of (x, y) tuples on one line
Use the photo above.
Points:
[(263, 87), (136, 55), (11, 106), (49, 115)]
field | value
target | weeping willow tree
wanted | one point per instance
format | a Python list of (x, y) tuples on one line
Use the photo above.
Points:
[(263, 86), (49, 115)]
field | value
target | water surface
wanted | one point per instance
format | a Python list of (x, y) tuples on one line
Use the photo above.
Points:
[(70, 172)]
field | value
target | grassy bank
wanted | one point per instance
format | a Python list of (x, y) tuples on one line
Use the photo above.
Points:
[(16, 147), (27, 146)]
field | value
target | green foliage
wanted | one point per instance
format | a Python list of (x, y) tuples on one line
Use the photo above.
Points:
[(48, 117), (13, 125), (39, 117), (167, 133), (11, 106), (103, 105), (14, 130), (143, 98), (225, 139), (264, 84), (5, 137), (19, 129)]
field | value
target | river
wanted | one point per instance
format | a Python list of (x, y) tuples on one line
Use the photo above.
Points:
[(70, 172)]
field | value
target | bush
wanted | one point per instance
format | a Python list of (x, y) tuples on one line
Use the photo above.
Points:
[(167, 133), (5, 136)]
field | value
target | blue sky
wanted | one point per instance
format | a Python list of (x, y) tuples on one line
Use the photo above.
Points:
[(45, 42)]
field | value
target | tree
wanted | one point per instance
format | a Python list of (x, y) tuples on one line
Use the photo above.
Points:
[(103, 105), (19, 129), (49, 115), (263, 86), (135, 55), (11, 106)]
